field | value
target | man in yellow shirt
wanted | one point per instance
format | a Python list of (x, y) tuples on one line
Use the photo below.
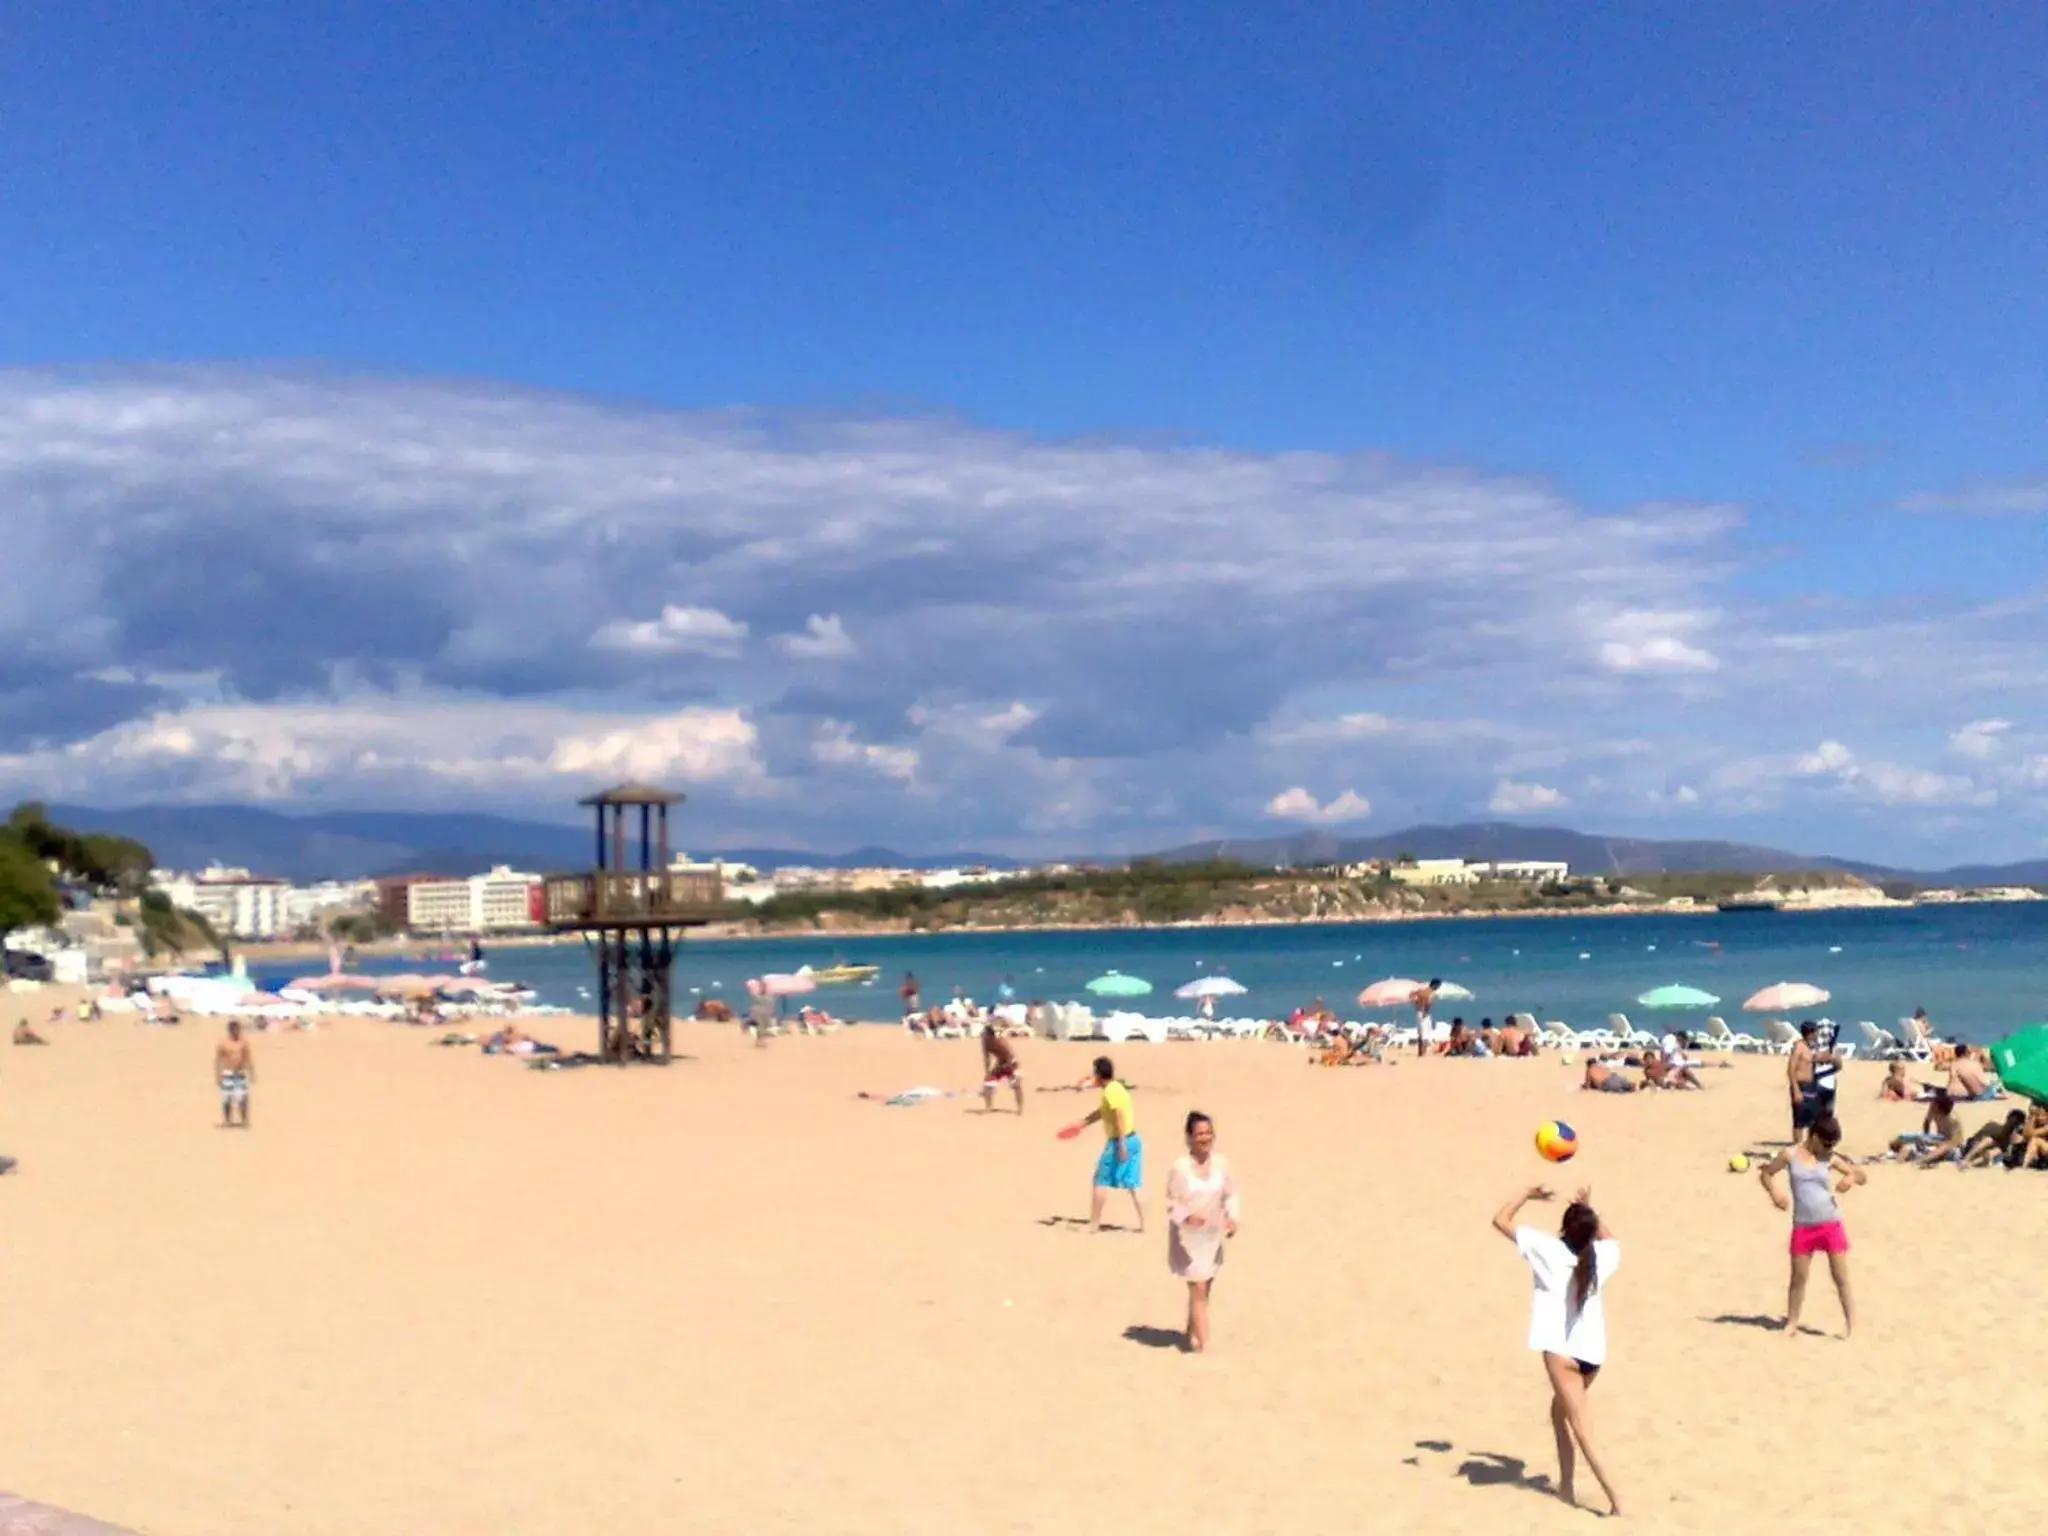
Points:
[(1122, 1164)]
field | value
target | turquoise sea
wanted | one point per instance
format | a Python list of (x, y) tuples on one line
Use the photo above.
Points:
[(1978, 969)]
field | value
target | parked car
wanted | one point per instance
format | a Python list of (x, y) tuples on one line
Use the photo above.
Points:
[(24, 966)]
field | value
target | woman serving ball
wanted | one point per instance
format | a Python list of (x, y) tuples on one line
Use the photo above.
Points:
[(1567, 1325)]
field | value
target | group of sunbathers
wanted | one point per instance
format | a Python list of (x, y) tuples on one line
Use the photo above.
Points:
[(1966, 1077), (1663, 1067), (2018, 1140)]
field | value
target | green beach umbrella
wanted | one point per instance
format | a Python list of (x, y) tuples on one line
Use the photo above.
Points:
[(2021, 1060), (1117, 984), (1677, 997)]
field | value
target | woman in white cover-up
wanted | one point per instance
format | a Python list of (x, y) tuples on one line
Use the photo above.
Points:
[(1201, 1212)]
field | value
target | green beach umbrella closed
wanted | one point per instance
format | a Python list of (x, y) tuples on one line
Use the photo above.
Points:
[(1677, 997), (1117, 984), (2021, 1061)]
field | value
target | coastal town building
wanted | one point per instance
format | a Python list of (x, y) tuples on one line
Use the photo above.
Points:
[(731, 871), (310, 906), (235, 902), (1533, 871), (493, 902), (1427, 872)]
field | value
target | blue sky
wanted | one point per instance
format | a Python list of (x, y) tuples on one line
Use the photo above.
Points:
[(1051, 424)]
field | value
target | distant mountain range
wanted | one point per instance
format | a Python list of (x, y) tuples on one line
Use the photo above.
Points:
[(358, 844), (1587, 853), (355, 845)]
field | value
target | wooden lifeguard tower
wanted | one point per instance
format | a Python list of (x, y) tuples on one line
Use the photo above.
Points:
[(632, 910)]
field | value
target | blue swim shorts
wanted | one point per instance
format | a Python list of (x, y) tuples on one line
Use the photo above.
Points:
[(1127, 1174)]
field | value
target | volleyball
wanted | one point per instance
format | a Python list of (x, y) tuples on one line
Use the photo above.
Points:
[(1557, 1141)]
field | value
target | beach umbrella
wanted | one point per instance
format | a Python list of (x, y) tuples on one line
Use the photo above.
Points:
[(1211, 986), (1117, 984), (409, 986), (1451, 992), (1787, 997), (2021, 1061), (784, 984), (334, 983), (1391, 993), (1677, 997)]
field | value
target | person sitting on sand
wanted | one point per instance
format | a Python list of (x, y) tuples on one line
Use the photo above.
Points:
[(1895, 1088), (1458, 1042), (1966, 1079), (1940, 1134), (1994, 1140), (2032, 1151), (23, 1035), (1337, 1053), (1510, 1041), (1601, 1078)]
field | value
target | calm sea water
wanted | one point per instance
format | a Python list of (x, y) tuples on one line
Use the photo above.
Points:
[(1979, 970)]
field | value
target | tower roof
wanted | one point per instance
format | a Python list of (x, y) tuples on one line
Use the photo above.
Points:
[(633, 794)]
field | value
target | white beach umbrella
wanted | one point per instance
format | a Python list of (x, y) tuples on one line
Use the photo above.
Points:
[(1211, 986)]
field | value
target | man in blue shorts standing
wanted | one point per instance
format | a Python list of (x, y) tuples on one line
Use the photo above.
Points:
[(1122, 1163)]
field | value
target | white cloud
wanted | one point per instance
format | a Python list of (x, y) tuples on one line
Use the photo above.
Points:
[(428, 747), (824, 638), (1986, 499), (678, 630), (1638, 640), (1297, 804), (1979, 739), (1105, 644), (1511, 798), (1828, 757), (837, 744)]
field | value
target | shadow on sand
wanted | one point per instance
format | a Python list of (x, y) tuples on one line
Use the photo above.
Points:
[(1490, 1469), (1155, 1338)]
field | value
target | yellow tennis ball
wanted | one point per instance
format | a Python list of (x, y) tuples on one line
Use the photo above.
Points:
[(1738, 1164)]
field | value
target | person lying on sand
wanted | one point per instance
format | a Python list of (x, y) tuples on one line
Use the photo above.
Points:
[(1601, 1078), (1994, 1140), (1661, 1071), (23, 1035), (1940, 1134), (1895, 1088)]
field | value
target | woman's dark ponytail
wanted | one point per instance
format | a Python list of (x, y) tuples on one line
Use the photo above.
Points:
[(1581, 1225)]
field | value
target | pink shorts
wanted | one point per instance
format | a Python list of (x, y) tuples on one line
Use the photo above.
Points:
[(1827, 1237)]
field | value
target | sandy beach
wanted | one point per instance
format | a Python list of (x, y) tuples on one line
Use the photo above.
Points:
[(435, 1292)]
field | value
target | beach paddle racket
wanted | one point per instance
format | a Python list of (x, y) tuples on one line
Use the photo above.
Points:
[(1069, 1132)]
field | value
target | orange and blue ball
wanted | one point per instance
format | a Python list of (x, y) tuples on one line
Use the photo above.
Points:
[(1557, 1141)]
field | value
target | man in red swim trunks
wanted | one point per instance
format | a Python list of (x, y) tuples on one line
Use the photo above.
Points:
[(998, 1066)]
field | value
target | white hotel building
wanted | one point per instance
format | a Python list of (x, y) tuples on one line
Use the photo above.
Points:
[(487, 903)]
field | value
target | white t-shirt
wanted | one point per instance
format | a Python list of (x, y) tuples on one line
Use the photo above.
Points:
[(1555, 1326)]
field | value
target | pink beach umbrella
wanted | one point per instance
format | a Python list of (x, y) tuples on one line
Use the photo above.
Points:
[(1391, 993), (334, 983), (783, 984), (1787, 997)]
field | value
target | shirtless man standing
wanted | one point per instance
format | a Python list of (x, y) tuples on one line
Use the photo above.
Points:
[(998, 1066), (1423, 1001), (235, 1070), (1810, 1076)]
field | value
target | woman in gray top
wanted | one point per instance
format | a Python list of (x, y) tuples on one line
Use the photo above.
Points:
[(1813, 1167)]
